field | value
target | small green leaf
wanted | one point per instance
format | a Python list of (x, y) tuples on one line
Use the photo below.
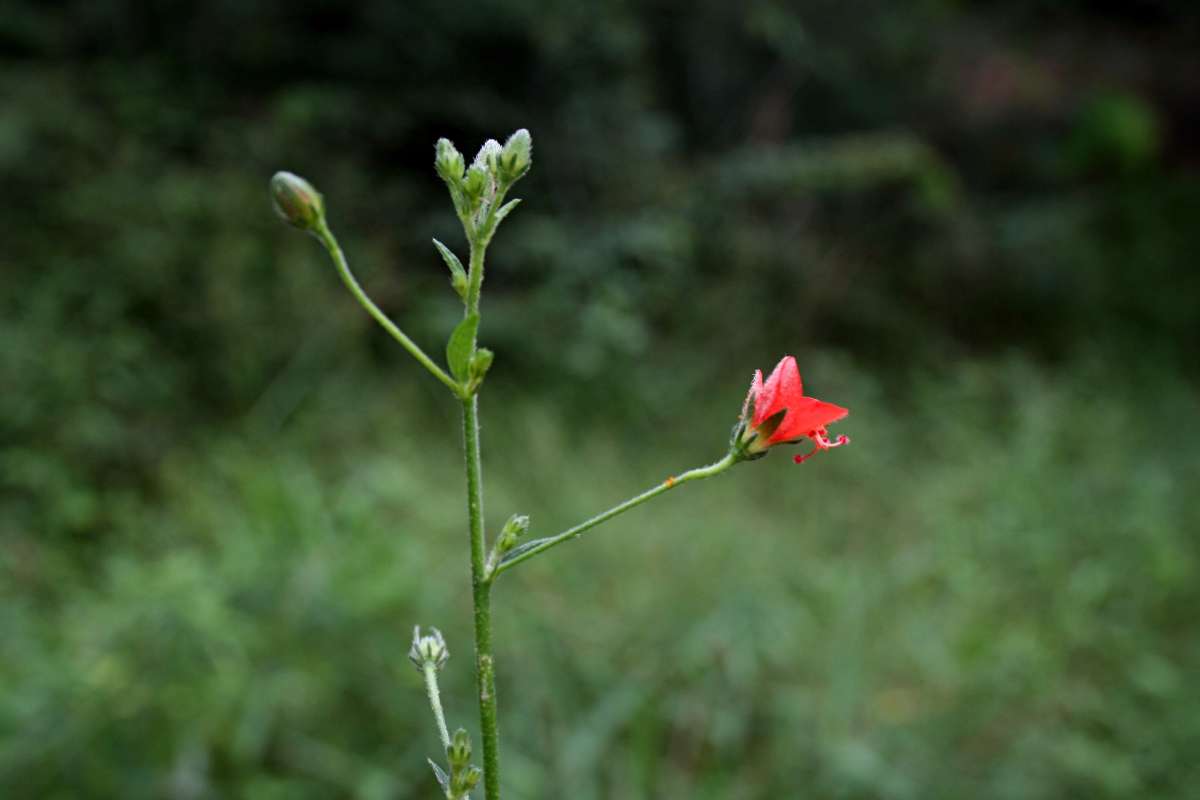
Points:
[(503, 211), (459, 348), (442, 778), (458, 275), (523, 548)]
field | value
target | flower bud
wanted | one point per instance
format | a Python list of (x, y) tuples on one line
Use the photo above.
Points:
[(428, 649), (516, 157), (449, 162), (465, 781), (481, 362), (458, 752), (513, 529), (475, 184), (296, 201), (488, 155)]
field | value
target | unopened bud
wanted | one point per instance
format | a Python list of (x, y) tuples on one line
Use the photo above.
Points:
[(515, 157), (428, 649), (488, 155), (475, 183), (296, 201), (465, 781), (449, 162), (481, 362), (458, 752), (513, 530)]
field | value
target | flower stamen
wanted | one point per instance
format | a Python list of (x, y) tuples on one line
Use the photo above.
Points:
[(820, 439)]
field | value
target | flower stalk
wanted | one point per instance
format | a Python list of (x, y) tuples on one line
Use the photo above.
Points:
[(435, 702), (539, 546), (330, 242)]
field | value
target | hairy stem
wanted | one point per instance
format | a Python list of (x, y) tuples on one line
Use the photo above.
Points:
[(435, 702), (343, 267), (485, 671), (715, 468)]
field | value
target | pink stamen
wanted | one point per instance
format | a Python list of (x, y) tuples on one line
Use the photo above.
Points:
[(821, 442), (806, 456)]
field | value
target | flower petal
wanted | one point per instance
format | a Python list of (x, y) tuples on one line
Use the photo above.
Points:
[(790, 386), (805, 416), (782, 389)]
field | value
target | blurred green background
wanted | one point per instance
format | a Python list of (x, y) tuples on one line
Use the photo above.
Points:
[(226, 497)]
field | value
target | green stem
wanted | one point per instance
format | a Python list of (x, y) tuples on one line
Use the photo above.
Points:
[(479, 237), (715, 468), (435, 702), (481, 584), (485, 670), (339, 259), (474, 279)]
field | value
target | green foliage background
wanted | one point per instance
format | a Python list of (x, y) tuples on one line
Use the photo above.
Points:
[(225, 497)]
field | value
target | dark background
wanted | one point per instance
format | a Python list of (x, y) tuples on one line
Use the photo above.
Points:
[(225, 496)]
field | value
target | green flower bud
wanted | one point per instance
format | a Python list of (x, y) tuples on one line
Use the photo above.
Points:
[(480, 363), (513, 530), (296, 201), (458, 752), (449, 162), (488, 156), (475, 184), (465, 781), (516, 157), (428, 649)]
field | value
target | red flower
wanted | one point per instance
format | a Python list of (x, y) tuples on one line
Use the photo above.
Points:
[(781, 413)]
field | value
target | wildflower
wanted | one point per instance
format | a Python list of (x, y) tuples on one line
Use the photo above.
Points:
[(777, 412)]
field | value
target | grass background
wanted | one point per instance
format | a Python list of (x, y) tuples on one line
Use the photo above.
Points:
[(974, 599)]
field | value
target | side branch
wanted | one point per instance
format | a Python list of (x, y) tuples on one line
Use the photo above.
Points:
[(339, 259), (542, 545)]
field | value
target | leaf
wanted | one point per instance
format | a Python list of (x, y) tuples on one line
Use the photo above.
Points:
[(458, 275), (524, 548), (503, 211), (461, 345), (440, 774)]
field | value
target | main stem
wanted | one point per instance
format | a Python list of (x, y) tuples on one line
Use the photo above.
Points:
[(485, 670), (481, 587)]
